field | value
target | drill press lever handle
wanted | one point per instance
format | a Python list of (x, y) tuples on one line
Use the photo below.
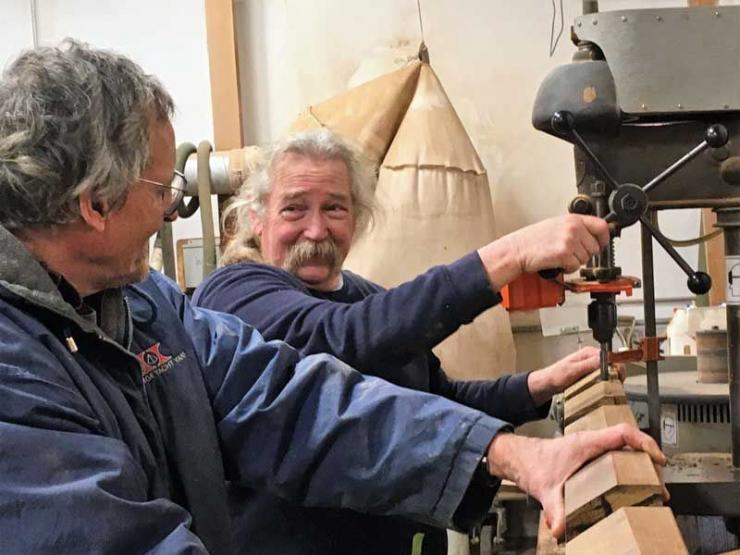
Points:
[(563, 122), (697, 282), (628, 203), (716, 136)]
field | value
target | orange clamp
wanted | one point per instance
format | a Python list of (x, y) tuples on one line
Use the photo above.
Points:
[(623, 284), (649, 351), (530, 291)]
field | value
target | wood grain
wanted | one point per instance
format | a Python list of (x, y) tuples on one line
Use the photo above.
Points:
[(599, 394), (586, 382), (614, 480), (603, 417), (632, 531)]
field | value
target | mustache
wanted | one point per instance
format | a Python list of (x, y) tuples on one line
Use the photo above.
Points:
[(306, 250)]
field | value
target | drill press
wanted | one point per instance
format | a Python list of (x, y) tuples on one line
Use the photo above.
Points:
[(653, 111), (646, 140), (621, 205)]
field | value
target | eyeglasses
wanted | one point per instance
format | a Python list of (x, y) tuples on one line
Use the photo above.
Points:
[(176, 190)]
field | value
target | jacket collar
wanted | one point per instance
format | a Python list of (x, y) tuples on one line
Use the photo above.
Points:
[(25, 277), (19, 269)]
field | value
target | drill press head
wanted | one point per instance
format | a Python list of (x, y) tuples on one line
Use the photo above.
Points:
[(641, 95), (645, 140)]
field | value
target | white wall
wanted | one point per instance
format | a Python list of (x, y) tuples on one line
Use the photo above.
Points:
[(490, 56), (17, 33), (166, 37)]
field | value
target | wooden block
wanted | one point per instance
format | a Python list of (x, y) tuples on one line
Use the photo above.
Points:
[(603, 417), (599, 394), (546, 543), (614, 480), (631, 531), (587, 381)]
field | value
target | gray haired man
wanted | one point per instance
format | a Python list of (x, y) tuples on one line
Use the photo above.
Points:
[(296, 220), (124, 409)]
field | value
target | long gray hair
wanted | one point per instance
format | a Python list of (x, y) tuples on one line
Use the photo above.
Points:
[(319, 144), (72, 119)]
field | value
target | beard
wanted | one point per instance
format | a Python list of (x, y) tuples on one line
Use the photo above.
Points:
[(305, 251), (115, 272)]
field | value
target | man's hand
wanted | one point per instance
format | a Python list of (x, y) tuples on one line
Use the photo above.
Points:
[(553, 379), (557, 377), (564, 242), (540, 467)]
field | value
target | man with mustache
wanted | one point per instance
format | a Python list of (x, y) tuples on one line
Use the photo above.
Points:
[(295, 222), (305, 251)]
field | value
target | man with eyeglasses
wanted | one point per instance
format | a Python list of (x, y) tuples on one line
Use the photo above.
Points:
[(171, 194), (124, 409)]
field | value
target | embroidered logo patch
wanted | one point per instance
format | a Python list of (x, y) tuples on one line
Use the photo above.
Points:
[(153, 362)]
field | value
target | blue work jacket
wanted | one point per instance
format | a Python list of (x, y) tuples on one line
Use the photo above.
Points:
[(119, 431)]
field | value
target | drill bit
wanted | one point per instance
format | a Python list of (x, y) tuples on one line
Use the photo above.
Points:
[(604, 361)]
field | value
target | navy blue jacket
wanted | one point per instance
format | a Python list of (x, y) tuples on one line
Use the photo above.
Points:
[(384, 333), (117, 432)]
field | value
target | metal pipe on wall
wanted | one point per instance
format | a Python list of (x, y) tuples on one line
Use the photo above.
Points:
[(207, 173), (729, 220), (229, 169), (206, 216), (34, 23)]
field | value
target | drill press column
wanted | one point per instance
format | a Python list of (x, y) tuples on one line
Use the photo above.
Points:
[(729, 220)]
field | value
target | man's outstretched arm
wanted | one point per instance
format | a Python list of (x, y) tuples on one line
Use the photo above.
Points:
[(540, 467), (406, 320), (519, 398), (319, 433)]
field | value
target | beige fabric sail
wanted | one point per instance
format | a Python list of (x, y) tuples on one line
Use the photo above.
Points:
[(437, 207), (367, 115)]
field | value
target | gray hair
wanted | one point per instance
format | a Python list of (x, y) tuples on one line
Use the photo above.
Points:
[(72, 119), (320, 144)]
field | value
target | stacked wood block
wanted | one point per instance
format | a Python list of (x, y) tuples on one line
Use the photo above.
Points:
[(613, 504), (638, 530), (616, 479), (603, 417), (591, 393)]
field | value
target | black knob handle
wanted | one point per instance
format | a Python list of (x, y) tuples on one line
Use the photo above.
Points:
[(562, 122), (716, 135), (699, 283), (550, 273), (582, 204)]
